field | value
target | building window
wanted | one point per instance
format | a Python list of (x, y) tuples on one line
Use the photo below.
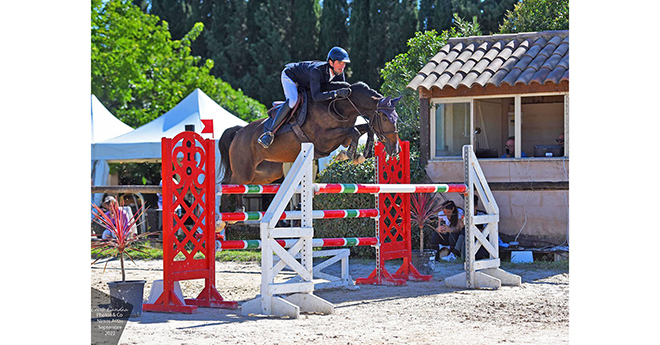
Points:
[(538, 123), (452, 128)]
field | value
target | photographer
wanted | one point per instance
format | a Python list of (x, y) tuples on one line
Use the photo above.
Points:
[(448, 231)]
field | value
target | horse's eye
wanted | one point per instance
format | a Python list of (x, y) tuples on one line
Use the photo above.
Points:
[(384, 117)]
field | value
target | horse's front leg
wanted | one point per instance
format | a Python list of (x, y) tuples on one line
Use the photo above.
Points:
[(369, 147), (354, 137)]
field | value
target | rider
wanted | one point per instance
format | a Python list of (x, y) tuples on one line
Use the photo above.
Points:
[(308, 74)]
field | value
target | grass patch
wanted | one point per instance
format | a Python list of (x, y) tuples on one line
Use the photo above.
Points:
[(154, 253)]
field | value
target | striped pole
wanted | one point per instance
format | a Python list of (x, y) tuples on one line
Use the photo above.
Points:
[(248, 189), (317, 214), (316, 243), (350, 188)]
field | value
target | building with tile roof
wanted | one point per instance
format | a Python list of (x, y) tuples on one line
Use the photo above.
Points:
[(481, 91)]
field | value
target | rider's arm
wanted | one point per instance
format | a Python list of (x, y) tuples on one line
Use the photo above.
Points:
[(315, 88)]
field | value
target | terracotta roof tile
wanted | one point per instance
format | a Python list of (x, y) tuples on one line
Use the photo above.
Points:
[(467, 67), (481, 66), (537, 62), (564, 61), (494, 50), (525, 77), (496, 78), (555, 75), (524, 58), (540, 75), (561, 49), (484, 78), (469, 79), (552, 61), (512, 76)]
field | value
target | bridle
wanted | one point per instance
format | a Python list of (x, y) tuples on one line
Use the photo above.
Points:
[(374, 122)]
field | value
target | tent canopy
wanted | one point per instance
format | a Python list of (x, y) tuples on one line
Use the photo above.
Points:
[(143, 143), (105, 125)]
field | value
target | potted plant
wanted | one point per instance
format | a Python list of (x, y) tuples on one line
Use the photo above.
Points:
[(119, 240), (425, 207)]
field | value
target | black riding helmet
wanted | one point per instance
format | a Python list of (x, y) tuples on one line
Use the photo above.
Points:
[(338, 54)]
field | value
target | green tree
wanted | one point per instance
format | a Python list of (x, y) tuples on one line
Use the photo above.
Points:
[(536, 15), (227, 41), (398, 72), (378, 30), (334, 28), (488, 12), (435, 15), (181, 16), (304, 30), (268, 48), (139, 72), (358, 41)]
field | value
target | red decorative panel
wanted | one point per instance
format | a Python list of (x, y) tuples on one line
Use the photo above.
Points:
[(188, 222), (394, 222)]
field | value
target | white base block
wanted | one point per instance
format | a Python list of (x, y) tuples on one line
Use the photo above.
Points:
[(310, 303), (492, 278), (289, 306), (157, 290)]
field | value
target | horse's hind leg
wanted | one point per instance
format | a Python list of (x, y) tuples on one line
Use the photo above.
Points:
[(267, 172)]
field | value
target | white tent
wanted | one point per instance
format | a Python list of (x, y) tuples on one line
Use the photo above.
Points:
[(143, 143), (104, 126)]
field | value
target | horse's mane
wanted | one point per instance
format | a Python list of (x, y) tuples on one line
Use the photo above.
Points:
[(360, 86)]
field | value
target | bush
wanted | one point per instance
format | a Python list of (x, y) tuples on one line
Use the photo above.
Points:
[(346, 172)]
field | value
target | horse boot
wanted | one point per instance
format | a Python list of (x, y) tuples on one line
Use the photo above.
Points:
[(266, 139)]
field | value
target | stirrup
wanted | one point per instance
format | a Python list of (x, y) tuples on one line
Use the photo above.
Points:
[(266, 139)]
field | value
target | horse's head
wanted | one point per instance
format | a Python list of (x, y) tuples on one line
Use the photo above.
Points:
[(384, 123), (381, 113)]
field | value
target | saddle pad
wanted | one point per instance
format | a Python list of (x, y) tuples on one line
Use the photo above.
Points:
[(298, 118)]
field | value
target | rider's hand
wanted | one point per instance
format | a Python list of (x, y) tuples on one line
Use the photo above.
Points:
[(343, 92)]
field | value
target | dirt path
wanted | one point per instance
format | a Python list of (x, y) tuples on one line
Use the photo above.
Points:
[(420, 313)]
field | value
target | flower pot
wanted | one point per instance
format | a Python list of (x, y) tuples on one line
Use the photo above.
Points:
[(127, 296), (424, 262)]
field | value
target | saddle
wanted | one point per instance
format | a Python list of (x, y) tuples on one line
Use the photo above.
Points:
[(295, 119)]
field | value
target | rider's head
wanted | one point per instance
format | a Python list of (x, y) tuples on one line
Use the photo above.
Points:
[(337, 59)]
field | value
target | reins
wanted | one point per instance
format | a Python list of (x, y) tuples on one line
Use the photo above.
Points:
[(380, 133)]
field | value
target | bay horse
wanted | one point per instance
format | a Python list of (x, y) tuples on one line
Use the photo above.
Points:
[(329, 124)]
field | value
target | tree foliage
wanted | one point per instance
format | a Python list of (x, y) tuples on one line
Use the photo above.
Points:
[(398, 72), (139, 72), (251, 41), (536, 15)]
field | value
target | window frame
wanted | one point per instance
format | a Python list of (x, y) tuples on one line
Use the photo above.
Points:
[(434, 102)]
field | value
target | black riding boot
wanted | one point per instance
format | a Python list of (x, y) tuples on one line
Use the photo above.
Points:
[(266, 139)]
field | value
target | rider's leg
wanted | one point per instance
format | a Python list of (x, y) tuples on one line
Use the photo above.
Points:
[(291, 93)]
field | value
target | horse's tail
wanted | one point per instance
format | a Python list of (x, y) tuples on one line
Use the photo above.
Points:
[(225, 141)]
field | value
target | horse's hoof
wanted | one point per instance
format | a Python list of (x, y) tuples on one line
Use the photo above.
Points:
[(359, 160), (341, 156)]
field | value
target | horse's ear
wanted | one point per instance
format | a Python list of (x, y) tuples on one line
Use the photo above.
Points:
[(396, 100), (385, 101)]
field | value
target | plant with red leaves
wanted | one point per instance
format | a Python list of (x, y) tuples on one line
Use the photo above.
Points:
[(425, 207), (122, 239)]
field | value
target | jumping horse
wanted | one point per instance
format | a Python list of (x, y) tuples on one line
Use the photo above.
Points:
[(328, 125)]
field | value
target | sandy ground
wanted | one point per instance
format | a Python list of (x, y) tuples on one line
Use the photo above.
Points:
[(420, 313)]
